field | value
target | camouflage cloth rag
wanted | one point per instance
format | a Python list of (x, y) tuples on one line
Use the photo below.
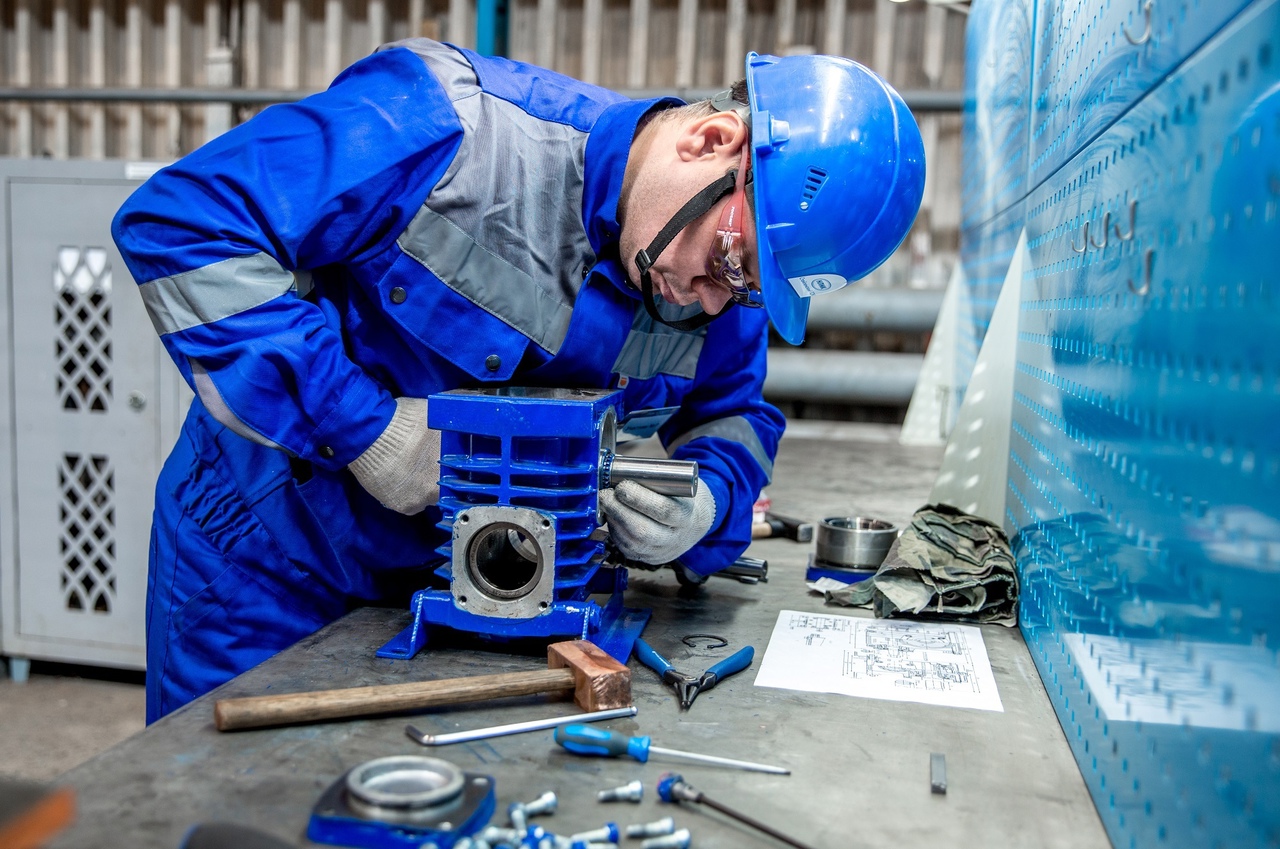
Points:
[(946, 564)]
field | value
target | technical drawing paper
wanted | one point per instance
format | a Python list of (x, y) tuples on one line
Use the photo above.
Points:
[(905, 661)]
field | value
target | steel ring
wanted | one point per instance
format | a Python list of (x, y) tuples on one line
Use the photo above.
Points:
[(688, 638), (854, 541)]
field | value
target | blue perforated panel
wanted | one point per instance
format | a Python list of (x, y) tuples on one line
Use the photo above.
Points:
[(1095, 58), (1144, 476), (997, 108)]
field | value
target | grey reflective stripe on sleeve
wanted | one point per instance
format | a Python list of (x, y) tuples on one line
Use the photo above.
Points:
[(212, 400), (652, 348), (735, 429), (214, 292)]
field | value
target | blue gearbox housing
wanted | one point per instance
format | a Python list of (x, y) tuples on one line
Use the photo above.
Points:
[(520, 475)]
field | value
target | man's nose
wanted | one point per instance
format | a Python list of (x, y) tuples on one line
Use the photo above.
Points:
[(711, 296)]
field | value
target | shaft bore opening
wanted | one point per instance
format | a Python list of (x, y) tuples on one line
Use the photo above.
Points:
[(504, 561)]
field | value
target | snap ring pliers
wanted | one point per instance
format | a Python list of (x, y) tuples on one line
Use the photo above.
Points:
[(688, 687)]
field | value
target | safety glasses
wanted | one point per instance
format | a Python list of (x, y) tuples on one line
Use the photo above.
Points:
[(724, 259)]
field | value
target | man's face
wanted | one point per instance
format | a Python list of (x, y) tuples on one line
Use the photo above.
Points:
[(680, 273)]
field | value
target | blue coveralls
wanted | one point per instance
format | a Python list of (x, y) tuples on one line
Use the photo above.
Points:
[(435, 219)]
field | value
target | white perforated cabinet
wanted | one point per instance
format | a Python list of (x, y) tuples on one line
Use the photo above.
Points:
[(91, 406)]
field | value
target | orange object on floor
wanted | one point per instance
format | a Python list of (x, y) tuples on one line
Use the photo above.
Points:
[(30, 816)]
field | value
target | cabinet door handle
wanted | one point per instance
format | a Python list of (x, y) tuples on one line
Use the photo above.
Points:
[(1146, 33)]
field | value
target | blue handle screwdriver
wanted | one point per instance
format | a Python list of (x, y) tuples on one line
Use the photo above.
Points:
[(587, 740), (689, 686)]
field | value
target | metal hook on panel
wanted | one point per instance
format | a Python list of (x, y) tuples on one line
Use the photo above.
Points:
[(1148, 258), (1133, 219), (1085, 245), (1146, 34), (1106, 227)]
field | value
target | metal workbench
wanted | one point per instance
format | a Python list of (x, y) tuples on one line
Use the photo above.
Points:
[(860, 767)]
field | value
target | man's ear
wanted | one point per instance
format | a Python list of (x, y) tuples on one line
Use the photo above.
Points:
[(719, 135)]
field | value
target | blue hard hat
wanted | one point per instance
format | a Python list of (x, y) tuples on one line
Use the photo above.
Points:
[(838, 168)]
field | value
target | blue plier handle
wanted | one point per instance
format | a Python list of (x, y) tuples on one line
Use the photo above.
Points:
[(688, 687)]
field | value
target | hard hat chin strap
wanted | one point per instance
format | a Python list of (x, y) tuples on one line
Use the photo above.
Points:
[(696, 207)]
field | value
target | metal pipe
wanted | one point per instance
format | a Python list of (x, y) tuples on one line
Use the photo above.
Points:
[(917, 101), (746, 570), (156, 95), (842, 377), (890, 310), (668, 477)]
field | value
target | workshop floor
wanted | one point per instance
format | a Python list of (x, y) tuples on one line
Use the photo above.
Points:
[(62, 716)]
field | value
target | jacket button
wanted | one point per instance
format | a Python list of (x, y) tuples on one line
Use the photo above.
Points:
[(493, 362), (326, 452), (397, 295)]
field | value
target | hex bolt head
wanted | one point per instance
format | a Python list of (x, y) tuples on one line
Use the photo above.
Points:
[(544, 804), (679, 840), (632, 792), (666, 825), (536, 837), (607, 833)]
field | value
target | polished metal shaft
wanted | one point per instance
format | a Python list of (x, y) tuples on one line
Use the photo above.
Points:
[(668, 477), (712, 759)]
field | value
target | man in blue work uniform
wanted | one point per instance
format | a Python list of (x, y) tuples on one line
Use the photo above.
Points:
[(438, 219)]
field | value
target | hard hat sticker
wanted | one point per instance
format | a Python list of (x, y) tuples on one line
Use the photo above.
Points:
[(815, 284)]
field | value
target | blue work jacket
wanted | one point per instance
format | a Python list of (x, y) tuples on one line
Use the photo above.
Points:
[(436, 219)]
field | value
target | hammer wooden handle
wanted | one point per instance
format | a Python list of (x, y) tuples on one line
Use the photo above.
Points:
[(290, 708)]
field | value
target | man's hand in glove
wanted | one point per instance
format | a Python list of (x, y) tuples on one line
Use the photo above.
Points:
[(653, 528), (402, 467)]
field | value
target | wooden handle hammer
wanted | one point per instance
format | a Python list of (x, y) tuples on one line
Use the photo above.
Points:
[(597, 680)]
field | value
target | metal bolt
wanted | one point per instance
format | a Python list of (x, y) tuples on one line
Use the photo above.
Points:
[(519, 813), (679, 840), (666, 825), (496, 834), (544, 804), (607, 833), (632, 792)]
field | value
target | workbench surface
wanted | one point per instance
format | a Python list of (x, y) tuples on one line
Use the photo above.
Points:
[(860, 767)]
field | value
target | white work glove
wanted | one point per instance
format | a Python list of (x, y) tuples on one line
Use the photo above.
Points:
[(653, 528), (402, 467)]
